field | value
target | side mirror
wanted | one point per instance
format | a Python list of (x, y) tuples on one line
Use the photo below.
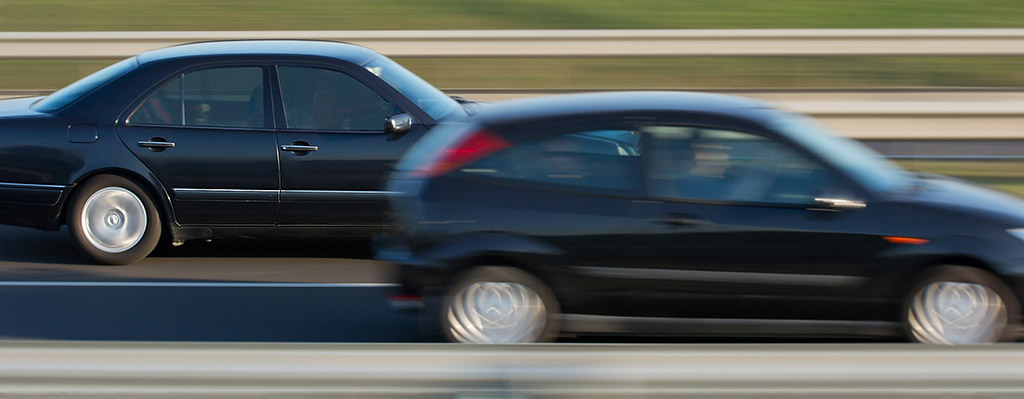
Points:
[(398, 123)]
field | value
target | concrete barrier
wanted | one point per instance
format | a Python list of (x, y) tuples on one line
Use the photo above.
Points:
[(64, 369)]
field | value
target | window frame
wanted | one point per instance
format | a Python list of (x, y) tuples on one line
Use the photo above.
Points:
[(374, 84), (268, 112), (843, 181)]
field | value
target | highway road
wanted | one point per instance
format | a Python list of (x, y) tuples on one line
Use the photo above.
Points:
[(242, 290)]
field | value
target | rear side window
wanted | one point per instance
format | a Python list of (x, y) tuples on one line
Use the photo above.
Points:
[(231, 97), (597, 160), (162, 107)]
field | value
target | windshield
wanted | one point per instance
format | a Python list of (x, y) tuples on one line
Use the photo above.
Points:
[(64, 97), (427, 97), (850, 157)]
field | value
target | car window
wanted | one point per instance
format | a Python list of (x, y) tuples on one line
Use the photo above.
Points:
[(224, 97), (163, 107), (216, 97), (602, 160), (324, 99), (700, 163)]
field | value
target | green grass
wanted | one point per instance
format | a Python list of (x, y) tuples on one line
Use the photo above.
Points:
[(673, 72), (661, 73), (1006, 175), (115, 15)]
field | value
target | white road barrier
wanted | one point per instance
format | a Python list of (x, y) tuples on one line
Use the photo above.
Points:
[(907, 114), (556, 43), (63, 369)]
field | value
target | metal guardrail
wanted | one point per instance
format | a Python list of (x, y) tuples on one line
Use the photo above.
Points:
[(50, 369), (907, 114), (556, 43)]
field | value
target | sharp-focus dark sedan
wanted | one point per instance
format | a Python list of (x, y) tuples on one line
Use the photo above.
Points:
[(214, 139), (676, 213)]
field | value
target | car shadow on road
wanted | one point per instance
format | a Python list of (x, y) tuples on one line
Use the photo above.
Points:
[(24, 245)]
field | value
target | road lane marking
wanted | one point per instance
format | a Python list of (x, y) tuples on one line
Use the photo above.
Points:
[(188, 284)]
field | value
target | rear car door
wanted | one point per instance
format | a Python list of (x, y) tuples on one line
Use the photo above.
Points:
[(577, 189), (334, 152), (207, 134)]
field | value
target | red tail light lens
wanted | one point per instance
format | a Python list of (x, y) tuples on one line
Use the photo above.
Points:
[(475, 146)]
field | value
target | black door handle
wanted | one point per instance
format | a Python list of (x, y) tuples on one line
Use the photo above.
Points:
[(682, 220)]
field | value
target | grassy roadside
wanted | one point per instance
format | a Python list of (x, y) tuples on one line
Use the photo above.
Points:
[(117, 15), (1006, 175), (672, 72)]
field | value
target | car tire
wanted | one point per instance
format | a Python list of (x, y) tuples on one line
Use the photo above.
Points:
[(113, 221), (958, 305), (499, 305)]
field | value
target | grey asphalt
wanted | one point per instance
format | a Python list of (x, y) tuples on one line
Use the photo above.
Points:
[(238, 290)]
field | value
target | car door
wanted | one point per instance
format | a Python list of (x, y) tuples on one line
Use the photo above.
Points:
[(751, 226), (207, 134), (576, 187), (334, 152)]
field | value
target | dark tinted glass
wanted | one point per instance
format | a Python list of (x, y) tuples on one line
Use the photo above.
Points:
[(161, 108), (700, 163), (225, 97), (324, 99), (601, 160)]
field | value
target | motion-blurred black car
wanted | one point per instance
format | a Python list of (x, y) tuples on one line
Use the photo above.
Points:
[(214, 139), (676, 213)]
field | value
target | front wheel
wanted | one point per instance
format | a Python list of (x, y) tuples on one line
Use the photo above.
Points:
[(499, 305), (113, 221), (956, 305)]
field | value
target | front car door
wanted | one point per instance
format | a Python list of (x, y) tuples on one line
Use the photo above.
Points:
[(743, 232), (335, 154), (207, 134)]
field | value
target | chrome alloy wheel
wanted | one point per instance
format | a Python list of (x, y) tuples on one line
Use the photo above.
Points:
[(113, 219), (955, 313), (496, 312)]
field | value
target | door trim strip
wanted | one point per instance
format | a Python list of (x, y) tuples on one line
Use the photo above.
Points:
[(225, 194), (335, 195), (824, 280)]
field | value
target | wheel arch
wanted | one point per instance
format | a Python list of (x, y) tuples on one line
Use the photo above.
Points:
[(499, 249), (152, 187), (923, 268)]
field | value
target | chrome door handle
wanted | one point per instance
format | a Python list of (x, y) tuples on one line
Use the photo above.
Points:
[(156, 144), (298, 148)]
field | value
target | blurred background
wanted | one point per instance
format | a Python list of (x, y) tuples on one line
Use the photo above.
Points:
[(911, 78)]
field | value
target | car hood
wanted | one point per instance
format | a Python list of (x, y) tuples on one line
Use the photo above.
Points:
[(970, 199), (17, 106)]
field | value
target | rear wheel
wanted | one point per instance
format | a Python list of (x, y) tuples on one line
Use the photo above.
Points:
[(956, 305), (499, 305), (113, 221)]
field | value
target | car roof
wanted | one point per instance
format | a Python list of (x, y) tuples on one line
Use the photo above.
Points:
[(323, 48), (611, 102)]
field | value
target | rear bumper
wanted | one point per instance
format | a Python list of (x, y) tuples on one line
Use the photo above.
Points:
[(32, 205)]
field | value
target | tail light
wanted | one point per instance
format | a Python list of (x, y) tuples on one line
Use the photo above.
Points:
[(473, 147)]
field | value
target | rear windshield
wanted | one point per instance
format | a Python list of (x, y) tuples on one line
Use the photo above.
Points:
[(64, 97)]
